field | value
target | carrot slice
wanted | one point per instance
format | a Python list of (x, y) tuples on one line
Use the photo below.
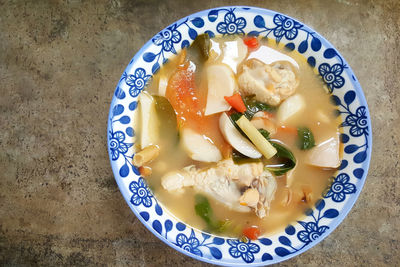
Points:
[(269, 115), (252, 232), (288, 130), (236, 102), (251, 42)]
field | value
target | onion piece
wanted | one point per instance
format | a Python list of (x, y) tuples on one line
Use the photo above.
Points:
[(236, 139)]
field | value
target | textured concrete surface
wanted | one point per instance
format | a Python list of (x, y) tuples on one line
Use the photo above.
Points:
[(59, 64)]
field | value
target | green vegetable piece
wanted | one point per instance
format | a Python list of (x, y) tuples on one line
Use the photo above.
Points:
[(264, 133), (234, 117), (284, 154), (203, 208), (201, 46), (305, 138), (224, 226), (167, 117), (165, 111), (287, 158), (239, 158), (253, 106)]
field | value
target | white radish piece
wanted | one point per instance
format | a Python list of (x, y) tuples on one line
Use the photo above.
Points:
[(322, 117), (215, 50), (221, 82), (148, 120), (236, 139), (234, 52), (162, 85), (326, 154), (269, 55), (294, 105), (231, 53), (198, 147)]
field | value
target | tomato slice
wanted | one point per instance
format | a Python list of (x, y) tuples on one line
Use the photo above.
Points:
[(189, 104), (181, 93)]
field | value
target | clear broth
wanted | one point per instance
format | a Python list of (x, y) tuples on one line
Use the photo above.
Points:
[(172, 157)]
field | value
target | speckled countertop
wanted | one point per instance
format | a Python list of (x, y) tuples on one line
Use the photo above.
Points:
[(59, 64)]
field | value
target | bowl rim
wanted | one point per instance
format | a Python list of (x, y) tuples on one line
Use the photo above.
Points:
[(343, 211)]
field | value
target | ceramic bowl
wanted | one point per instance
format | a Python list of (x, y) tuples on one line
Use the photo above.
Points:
[(347, 95)]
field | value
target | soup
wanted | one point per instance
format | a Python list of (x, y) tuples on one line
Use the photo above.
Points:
[(237, 136)]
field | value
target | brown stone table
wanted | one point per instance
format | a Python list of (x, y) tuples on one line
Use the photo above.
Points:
[(59, 64)]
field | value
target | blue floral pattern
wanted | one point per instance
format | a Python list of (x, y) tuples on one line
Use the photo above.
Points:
[(340, 188), (137, 81), (168, 38), (140, 193), (285, 27), (117, 140), (117, 145), (244, 250), (311, 232), (190, 244), (231, 24), (334, 72), (332, 75), (358, 122)]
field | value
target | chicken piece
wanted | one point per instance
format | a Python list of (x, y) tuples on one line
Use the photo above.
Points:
[(270, 83), (214, 181), (250, 198), (287, 198), (266, 186), (224, 181), (242, 174), (307, 194)]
